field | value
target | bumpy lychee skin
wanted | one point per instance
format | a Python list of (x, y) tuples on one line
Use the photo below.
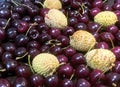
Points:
[(82, 40), (52, 4), (45, 64), (106, 18), (56, 19), (101, 59)]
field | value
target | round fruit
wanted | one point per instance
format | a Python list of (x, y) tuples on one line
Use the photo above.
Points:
[(101, 59), (82, 40), (45, 64), (56, 19), (53, 4), (106, 18)]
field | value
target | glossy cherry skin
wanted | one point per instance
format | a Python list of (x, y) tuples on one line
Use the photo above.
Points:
[(51, 81), (5, 83)]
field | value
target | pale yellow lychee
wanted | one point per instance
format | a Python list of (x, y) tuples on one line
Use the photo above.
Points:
[(45, 64), (106, 18), (56, 19), (101, 59), (52, 4), (82, 40)]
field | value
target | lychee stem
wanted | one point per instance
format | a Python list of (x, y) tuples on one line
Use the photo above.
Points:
[(29, 63)]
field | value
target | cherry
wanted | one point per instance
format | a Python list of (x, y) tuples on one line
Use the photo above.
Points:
[(67, 83), (21, 40), (10, 65), (62, 58), (112, 29), (2, 34), (56, 50), (98, 3), (82, 71), (26, 18), (65, 71), (51, 81), (5, 13), (33, 52), (54, 32), (20, 51), (69, 51), (94, 11), (37, 80), (12, 33), (68, 31), (102, 45), (116, 51), (4, 83), (82, 83), (116, 68), (23, 71), (72, 21), (22, 27), (33, 34), (77, 59), (116, 6), (33, 44), (64, 40), (112, 79), (93, 27), (96, 76), (21, 82), (81, 26), (43, 11), (38, 19), (10, 47)]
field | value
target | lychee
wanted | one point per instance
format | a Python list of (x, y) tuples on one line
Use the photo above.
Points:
[(56, 19), (102, 59), (45, 64), (106, 18), (82, 40), (52, 4)]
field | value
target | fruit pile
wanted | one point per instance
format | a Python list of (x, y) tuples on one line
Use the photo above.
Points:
[(59, 43)]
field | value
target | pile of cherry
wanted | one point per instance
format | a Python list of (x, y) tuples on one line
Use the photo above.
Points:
[(23, 33)]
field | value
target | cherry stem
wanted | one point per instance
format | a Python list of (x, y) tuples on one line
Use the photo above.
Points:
[(17, 4), (14, 2), (29, 63), (114, 85), (7, 23), (82, 7), (2, 70), (72, 76), (17, 58), (40, 4), (34, 24), (105, 1), (111, 42), (98, 29)]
